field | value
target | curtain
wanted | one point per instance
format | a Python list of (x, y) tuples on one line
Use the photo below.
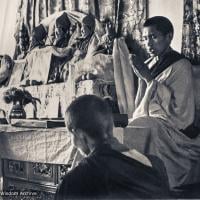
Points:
[(191, 31), (127, 15), (7, 26)]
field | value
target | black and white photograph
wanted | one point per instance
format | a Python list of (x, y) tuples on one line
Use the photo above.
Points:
[(99, 99)]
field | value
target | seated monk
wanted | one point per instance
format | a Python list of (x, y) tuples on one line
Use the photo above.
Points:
[(109, 169), (165, 103)]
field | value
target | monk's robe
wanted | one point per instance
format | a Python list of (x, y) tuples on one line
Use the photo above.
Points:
[(166, 106), (109, 174)]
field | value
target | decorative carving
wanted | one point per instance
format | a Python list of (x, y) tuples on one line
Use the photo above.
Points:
[(191, 28), (62, 170), (42, 169), (16, 167), (105, 89)]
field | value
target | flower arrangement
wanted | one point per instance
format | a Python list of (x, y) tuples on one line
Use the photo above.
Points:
[(19, 98)]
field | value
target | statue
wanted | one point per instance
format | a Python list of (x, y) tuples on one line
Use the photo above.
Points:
[(79, 40), (98, 60), (37, 41), (82, 43), (5, 70), (37, 37), (63, 32), (105, 44), (23, 41)]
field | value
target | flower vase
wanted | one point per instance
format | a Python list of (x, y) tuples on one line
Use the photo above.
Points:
[(17, 111)]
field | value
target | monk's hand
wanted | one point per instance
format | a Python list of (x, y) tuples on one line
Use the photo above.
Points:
[(140, 69)]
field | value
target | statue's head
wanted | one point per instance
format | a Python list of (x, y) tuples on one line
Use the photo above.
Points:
[(87, 26), (5, 69), (38, 35), (6, 61), (62, 26)]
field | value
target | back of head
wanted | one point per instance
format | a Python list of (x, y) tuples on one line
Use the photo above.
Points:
[(162, 24), (90, 114)]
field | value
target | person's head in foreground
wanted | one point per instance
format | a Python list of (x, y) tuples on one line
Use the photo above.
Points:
[(106, 173), (89, 120), (157, 35)]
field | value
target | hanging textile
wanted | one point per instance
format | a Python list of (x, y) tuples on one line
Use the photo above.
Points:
[(191, 28), (131, 12), (124, 79), (131, 16)]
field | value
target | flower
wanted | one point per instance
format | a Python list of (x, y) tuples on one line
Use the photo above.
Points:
[(20, 95)]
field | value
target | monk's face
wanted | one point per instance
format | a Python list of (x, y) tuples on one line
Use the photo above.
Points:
[(155, 41)]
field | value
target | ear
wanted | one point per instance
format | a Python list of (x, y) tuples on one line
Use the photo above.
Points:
[(81, 134), (170, 36)]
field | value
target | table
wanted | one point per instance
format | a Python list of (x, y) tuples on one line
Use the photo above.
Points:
[(38, 158)]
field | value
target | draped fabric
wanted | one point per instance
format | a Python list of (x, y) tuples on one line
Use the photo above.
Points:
[(131, 14), (191, 27), (127, 15), (123, 75), (167, 107)]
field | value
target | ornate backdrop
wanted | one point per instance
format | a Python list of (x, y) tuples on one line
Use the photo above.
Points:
[(126, 15), (191, 31)]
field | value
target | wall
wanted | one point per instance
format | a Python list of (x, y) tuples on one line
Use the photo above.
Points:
[(173, 9)]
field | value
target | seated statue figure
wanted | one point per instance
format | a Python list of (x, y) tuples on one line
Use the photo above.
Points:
[(79, 42), (105, 44), (23, 42), (97, 62), (82, 43), (62, 31), (37, 37), (5, 70), (37, 41), (62, 35)]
